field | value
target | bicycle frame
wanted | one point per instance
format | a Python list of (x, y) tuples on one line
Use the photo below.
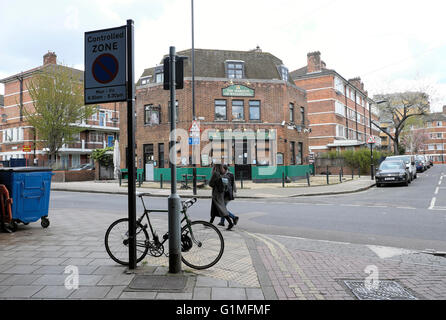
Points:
[(165, 236)]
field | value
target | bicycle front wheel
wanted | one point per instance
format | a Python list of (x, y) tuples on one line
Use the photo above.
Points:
[(202, 245), (117, 241)]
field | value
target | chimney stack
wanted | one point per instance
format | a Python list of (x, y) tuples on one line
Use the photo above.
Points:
[(356, 82), (314, 63), (49, 58), (444, 109)]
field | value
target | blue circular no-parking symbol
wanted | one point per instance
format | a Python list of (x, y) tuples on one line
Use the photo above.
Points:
[(105, 68)]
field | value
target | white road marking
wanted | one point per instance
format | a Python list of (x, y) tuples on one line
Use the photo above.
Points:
[(388, 252), (432, 203), (436, 190)]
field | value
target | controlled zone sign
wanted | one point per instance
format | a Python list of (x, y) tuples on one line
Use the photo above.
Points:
[(105, 65)]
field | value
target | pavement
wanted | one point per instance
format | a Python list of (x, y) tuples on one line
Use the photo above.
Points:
[(250, 190), (68, 261)]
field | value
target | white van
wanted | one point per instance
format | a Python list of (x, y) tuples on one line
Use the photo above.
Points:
[(410, 164)]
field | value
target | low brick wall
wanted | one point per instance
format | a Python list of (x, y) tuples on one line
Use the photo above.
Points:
[(70, 176)]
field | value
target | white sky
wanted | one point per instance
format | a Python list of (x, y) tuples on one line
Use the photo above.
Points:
[(392, 45)]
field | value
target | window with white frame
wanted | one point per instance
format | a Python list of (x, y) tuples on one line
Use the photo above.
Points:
[(439, 146), (95, 136), (339, 108), (439, 123), (340, 131), (431, 147), (145, 80), (235, 69), (283, 72), (13, 134), (339, 84)]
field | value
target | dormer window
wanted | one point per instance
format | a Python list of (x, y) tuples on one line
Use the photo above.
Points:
[(159, 74), (283, 72), (145, 80), (235, 69)]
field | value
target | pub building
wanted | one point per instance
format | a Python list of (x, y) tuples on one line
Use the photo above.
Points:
[(251, 116)]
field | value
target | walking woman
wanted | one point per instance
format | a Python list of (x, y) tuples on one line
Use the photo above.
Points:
[(217, 183)]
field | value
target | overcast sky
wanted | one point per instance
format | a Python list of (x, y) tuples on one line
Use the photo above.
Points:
[(392, 45)]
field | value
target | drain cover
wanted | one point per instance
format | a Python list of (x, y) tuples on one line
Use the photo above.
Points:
[(158, 283), (387, 290)]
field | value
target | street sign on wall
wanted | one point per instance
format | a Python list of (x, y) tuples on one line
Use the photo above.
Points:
[(105, 65)]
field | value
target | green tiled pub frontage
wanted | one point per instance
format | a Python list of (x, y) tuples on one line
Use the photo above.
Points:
[(259, 174)]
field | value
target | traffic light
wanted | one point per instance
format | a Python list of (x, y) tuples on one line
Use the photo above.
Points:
[(179, 74)]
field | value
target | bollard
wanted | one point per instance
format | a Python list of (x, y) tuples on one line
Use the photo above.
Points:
[(161, 181), (120, 178), (353, 173), (359, 172), (308, 178), (283, 179), (340, 175), (139, 180), (328, 179), (241, 179)]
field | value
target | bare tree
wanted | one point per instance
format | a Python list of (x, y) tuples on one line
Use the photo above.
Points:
[(397, 108)]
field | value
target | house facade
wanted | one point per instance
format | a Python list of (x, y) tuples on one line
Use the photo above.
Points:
[(250, 113), (339, 110), (19, 140), (434, 136)]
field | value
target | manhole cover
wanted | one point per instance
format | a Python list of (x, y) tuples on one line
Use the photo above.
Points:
[(158, 283), (387, 290)]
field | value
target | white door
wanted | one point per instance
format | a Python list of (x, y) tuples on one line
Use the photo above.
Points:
[(149, 171)]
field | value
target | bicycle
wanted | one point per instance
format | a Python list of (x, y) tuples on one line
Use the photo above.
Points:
[(202, 244)]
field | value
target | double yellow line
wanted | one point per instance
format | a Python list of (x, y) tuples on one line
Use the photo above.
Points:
[(291, 262)]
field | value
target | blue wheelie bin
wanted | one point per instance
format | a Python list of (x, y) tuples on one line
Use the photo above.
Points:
[(29, 188)]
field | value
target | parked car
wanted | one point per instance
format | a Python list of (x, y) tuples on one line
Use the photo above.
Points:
[(410, 164), (86, 166), (423, 161), (419, 166), (431, 162), (392, 172)]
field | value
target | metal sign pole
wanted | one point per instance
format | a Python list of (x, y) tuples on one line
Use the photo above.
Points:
[(194, 147), (174, 202), (131, 146)]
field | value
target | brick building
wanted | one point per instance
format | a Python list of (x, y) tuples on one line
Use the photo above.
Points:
[(434, 132), (338, 109), (99, 131), (244, 100)]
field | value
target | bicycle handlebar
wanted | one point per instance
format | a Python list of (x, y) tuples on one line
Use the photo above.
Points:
[(188, 203)]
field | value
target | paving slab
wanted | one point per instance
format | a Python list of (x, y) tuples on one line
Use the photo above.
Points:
[(20, 291), (228, 294), (53, 292)]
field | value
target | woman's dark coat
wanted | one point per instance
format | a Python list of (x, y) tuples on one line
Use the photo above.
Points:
[(218, 207)]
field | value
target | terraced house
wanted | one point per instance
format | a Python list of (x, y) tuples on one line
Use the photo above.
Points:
[(244, 100), (339, 110), (18, 139)]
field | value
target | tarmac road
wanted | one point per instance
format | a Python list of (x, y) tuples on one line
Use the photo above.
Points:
[(397, 216)]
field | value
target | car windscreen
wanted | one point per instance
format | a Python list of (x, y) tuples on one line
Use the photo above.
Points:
[(388, 165), (405, 159)]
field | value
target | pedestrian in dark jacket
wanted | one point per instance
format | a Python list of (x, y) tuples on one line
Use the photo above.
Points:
[(229, 194), (218, 206)]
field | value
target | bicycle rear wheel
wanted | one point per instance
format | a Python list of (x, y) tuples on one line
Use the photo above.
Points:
[(203, 247), (117, 241)]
